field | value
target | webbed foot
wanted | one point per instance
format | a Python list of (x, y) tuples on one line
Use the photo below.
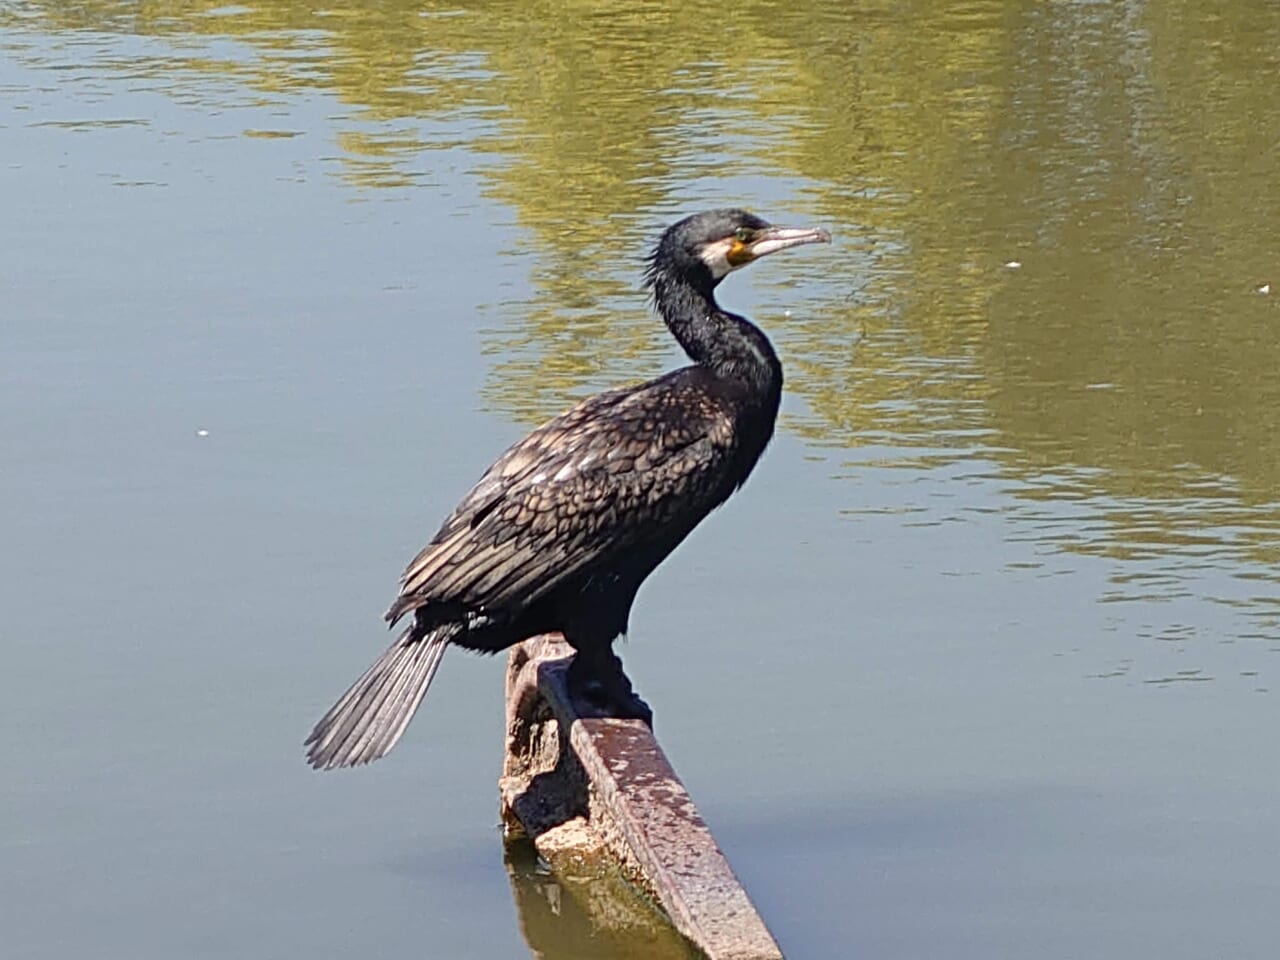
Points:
[(600, 689)]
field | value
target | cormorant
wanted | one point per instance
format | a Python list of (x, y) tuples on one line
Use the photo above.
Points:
[(560, 532)]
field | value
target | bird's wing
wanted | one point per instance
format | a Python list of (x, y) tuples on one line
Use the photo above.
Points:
[(594, 481)]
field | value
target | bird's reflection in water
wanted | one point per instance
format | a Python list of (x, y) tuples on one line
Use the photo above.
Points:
[(593, 914)]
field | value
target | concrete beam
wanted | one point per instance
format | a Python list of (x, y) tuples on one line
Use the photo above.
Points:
[(585, 787)]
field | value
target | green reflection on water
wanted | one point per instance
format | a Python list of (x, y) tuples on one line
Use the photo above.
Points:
[(593, 915), (1053, 222)]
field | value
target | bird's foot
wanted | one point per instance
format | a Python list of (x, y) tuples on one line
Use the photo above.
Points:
[(629, 706), (605, 692)]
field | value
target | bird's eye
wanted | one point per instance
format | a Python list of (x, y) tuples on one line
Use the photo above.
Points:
[(743, 234)]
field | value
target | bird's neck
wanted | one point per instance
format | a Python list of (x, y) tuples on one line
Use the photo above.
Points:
[(730, 347)]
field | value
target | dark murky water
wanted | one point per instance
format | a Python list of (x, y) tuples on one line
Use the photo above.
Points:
[(981, 663)]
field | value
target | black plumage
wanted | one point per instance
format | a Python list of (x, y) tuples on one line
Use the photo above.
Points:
[(565, 526)]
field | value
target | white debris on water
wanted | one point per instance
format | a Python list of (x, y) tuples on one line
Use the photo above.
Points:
[(202, 432), (1013, 264), (1264, 289)]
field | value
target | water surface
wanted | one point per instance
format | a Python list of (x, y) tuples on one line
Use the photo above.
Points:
[(981, 662)]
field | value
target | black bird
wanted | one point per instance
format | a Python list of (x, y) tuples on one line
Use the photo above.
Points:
[(562, 530)]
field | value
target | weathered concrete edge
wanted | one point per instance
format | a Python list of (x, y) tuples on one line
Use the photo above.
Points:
[(634, 787)]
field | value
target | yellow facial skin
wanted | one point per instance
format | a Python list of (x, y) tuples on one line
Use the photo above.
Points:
[(739, 253)]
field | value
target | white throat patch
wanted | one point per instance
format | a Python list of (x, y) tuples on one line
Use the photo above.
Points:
[(716, 257)]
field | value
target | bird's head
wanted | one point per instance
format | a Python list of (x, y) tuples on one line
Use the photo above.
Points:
[(706, 247)]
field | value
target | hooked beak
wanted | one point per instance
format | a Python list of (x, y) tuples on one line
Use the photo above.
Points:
[(772, 239)]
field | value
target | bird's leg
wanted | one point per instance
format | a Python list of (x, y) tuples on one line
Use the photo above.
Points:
[(596, 680)]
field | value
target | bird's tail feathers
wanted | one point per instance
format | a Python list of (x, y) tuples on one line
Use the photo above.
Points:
[(373, 714)]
